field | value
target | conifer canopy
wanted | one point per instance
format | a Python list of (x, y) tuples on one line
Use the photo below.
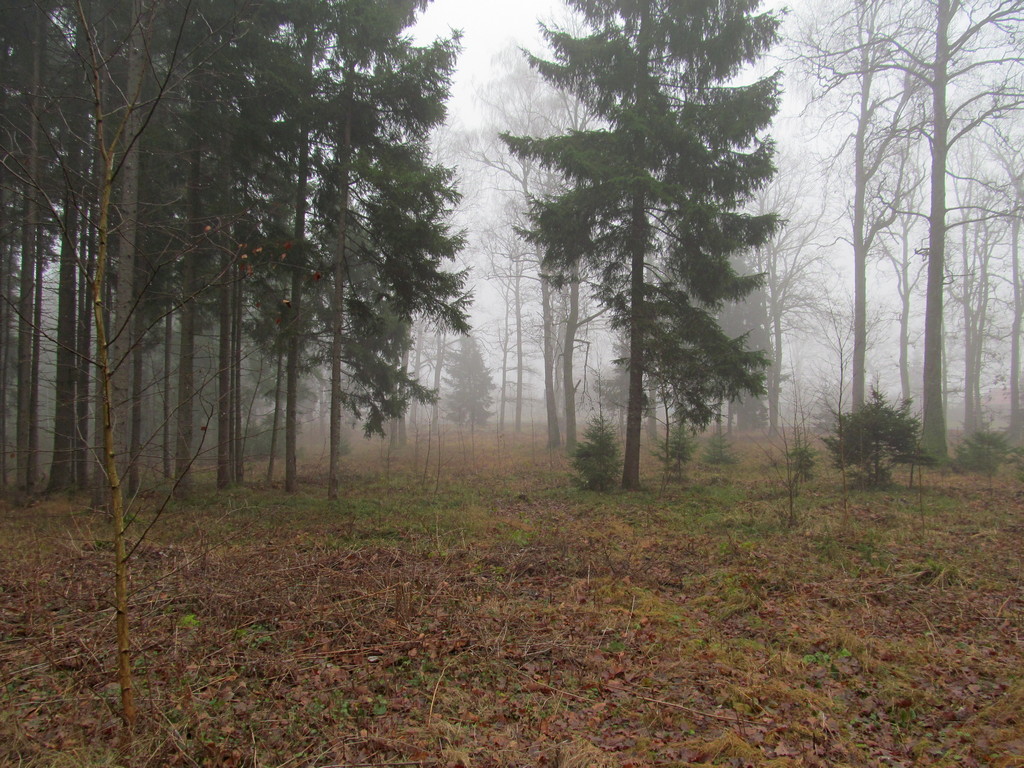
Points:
[(654, 194)]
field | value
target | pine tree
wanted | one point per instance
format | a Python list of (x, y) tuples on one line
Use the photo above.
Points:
[(470, 398), (654, 192)]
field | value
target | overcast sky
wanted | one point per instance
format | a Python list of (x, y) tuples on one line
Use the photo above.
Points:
[(488, 26)]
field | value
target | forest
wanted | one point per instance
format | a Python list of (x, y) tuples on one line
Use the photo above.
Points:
[(662, 408)]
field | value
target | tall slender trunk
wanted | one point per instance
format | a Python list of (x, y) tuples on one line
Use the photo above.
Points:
[(62, 468), (6, 261), (6, 249), (26, 459), (166, 448), (137, 396), (1016, 416), (435, 414), (224, 316), (402, 430), (238, 433), (83, 456), (550, 404), (520, 353), (123, 347), (294, 318), (933, 423), (860, 247), (637, 313), (904, 286), (338, 309), (185, 446), (416, 365), (572, 320), (276, 420), (775, 375), (106, 406), (37, 353), (503, 342)]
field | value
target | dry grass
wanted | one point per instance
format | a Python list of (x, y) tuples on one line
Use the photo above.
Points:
[(493, 616)]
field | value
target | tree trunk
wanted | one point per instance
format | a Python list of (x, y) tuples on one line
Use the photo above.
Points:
[(933, 424), (224, 317), (167, 449), (137, 396), (435, 416), (338, 311), (62, 468), (550, 404), (520, 352), (276, 419), (83, 456), (185, 445), (6, 250), (572, 320), (26, 459), (1016, 416), (860, 246), (637, 312), (295, 323), (123, 347), (37, 353), (237, 432)]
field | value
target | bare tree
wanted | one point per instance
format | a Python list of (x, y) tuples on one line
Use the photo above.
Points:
[(965, 55), (791, 263), (849, 52)]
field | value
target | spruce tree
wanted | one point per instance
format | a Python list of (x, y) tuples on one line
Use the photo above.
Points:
[(654, 192), (470, 398)]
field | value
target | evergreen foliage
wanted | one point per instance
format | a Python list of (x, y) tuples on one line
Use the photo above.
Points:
[(801, 458), (983, 452), (654, 193), (718, 450), (596, 458), (875, 438), (470, 398), (675, 451)]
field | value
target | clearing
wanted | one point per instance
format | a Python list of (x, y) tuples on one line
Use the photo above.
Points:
[(490, 614)]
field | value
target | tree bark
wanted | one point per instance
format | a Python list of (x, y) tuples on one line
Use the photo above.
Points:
[(338, 310), (860, 246), (62, 468), (26, 425), (933, 423), (185, 445), (572, 321), (123, 347), (550, 404), (637, 311), (1016, 431), (295, 321), (225, 475)]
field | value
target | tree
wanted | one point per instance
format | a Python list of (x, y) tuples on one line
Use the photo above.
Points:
[(875, 438), (653, 192), (519, 101), (963, 54), (596, 459), (849, 53), (470, 397)]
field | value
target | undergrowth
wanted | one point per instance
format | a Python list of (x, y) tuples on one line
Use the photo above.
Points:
[(494, 615)]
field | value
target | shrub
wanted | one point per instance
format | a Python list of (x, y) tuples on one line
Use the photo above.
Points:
[(675, 451), (718, 450), (983, 452), (875, 438), (596, 458), (802, 458)]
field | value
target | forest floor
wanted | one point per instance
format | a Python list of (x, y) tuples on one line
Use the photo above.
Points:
[(492, 615)]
